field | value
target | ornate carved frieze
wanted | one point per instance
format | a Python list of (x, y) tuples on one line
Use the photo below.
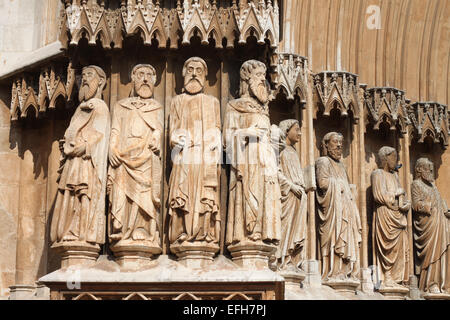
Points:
[(430, 120), (37, 93), (387, 105), (337, 89), (111, 21), (291, 76)]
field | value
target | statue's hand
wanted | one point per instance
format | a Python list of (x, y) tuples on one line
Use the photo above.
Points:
[(406, 206), (297, 191), (154, 146), (180, 141), (114, 158), (79, 150), (400, 192)]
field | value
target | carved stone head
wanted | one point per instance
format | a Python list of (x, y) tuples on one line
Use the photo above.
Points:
[(387, 158), (93, 81), (424, 170), (195, 71), (253, 81), (332, 145), (143, 77), (291, 131)]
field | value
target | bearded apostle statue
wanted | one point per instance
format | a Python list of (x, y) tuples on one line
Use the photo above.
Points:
[(390, 233), (254, 206), (291, 252), (78, 223), (431, 231), (194, 133), (135, 168), (339, 224)]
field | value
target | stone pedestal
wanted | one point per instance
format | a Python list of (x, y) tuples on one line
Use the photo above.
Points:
[(21, 292), (313, 278), (292, 278), (366, 281), (436, 296), (195, 255), (76, 253), (344, 285), (131, 254), (396, 292), (252, 255)]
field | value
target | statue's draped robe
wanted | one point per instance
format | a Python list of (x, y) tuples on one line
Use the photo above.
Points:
[(80, 202), (293, 210), (390, 233), (136, 123), (194, 180), (254, 192), (339, 221), (431, 235)]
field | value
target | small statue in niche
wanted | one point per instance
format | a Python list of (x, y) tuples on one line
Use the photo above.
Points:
[(254, 201), (390, 233), (338, 216), (135, 163), (194, 135), (79, 214), (291, 252), (431, 230)]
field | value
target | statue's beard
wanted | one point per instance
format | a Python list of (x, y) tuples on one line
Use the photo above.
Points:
[(144, 91), (335, 153), (88, 91), (428, 177), (259, 90), (193, 86)]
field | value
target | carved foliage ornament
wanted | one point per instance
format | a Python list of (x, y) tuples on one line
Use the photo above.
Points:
[(151, 19), (39, 94), (430, 121), (387, 105), (338, 89)]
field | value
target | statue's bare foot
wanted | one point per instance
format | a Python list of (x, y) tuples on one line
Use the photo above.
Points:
[(69, 237), (115, 237), (140, 235), (183, 237), (434, 289), (255, 237)]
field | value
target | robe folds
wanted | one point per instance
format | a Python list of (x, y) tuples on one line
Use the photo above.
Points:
[(390, 233), (293, 210), (194, 180), (339, 221), (431, 236), (254, 191), (136, 124), (80, 201)]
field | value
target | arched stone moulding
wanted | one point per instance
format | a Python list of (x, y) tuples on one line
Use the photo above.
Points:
[(387, 105), (112, 21), (337, 89), (430, 121)]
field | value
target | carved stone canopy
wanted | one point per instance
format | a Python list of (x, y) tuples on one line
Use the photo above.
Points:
[(30, 93), (430, 121), (291, 76), (112, 21), (337, 89), (387, 105)]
